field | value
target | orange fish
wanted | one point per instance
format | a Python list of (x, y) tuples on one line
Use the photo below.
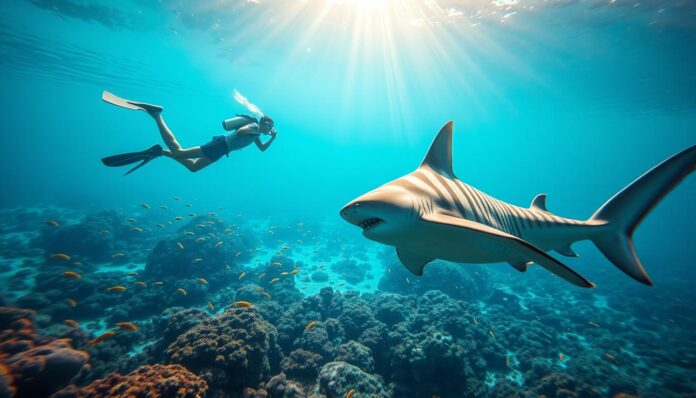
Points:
[(202, 281), (102, 338), (141, 284), (117, 288), (350, 393), (243, 304), (60, 257), (71, 322), (311, 325), (72, 302), (211, 307), (156, 283), (182, 291), (72, 274), (52, 223), (128, 326)]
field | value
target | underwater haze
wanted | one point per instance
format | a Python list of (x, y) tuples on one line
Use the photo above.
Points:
[(243, 280)]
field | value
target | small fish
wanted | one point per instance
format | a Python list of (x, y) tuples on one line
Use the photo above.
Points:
[(218, 244), (243, 304), (72, 323), (127, 326), (507, 360), (160, 225), (611, 358), (200, 225), (238, 254), (180, 245), (259, 288), (262, 275), (188, 205), (285, 248), (242, 275), (189, 233), (129, 220), (117, 288), (295, 272), (176, 198), (141, 284), (182, 291), (145, 206), (212, 214), (156, 283), (304, 287), (163, 207), (473, 320), (310, 325), (321, 266), (350, 393), (490, 333), (229, 269), (561, 357), (266, 295), (117, 255), (202, 281), (136, 229), (192, 214), (274, 280), (104, 232), (276, 264), (201, 239), (593, 324), (197, 260), (60, 257), (284, 273), (72, 302), (102, 338), (178, 218), (211, 307), (52, 223), (72, 274)]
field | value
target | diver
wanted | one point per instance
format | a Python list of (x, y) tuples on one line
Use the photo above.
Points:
[(245, 130)]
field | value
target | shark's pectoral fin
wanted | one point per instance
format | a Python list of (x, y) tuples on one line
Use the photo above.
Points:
[(414, 262), (518, 246), (520, 265), (566, 251)]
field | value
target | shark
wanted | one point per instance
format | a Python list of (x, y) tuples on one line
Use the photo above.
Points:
[(430, 214)]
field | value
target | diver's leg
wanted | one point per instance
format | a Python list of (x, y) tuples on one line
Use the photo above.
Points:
[(192, 163), (170, 140)]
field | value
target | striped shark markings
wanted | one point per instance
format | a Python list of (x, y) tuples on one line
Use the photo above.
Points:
[(430, 214)]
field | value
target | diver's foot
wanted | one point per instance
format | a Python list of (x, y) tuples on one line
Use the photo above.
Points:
[(152, 110)]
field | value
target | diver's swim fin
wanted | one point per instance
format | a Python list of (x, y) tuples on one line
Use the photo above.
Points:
[(135, 105), (124, 159)]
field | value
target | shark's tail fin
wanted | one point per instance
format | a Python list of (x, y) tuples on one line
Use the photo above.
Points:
[(625, 210)]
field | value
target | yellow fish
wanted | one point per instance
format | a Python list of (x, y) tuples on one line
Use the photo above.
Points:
[(71, 274), (117, 288), (350, 393), (284, 273), (243, 304), (182, 291), (71, 322), (60, 257), (128, 326), (311, 325), (202, 281)]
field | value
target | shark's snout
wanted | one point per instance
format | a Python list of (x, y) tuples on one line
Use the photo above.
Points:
[(360, 213)]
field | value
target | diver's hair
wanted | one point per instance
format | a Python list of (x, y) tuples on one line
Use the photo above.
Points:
[(266, 119)]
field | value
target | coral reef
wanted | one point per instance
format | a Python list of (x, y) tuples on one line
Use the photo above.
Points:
[(336, 379)]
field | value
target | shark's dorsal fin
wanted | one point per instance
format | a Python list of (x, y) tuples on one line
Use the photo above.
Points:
[(439, 156), (539, 202), (414, 262)]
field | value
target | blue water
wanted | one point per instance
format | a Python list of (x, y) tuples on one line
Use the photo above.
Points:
[(575, 99)]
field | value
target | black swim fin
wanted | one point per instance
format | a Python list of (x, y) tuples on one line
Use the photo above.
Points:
[(124, 159)]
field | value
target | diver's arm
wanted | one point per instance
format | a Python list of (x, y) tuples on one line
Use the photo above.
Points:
[(263, 146)]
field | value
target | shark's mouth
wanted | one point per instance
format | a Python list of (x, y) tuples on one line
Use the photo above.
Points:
[(369, 223)]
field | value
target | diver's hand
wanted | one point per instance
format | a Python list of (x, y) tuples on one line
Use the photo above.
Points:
[(273, 132)]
